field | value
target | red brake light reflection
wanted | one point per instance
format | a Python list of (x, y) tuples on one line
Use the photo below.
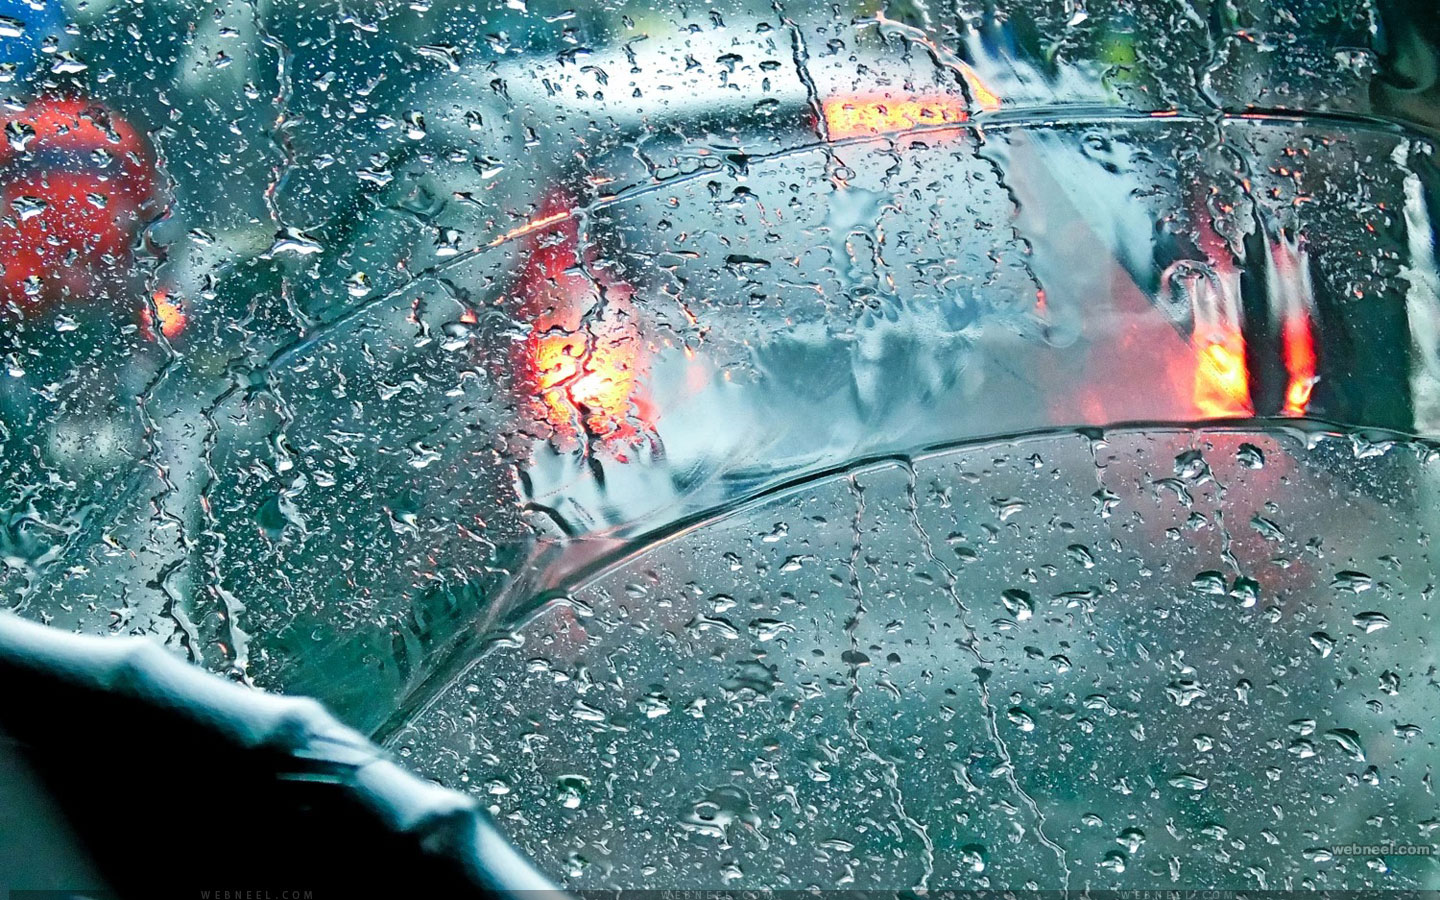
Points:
[(582, 362), (1295, 303), (1299, 346)]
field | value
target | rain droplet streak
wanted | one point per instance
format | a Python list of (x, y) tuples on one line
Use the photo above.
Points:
[(970, 644), (854, 661)]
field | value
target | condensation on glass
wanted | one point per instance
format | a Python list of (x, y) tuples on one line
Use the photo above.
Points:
[(762, 445)]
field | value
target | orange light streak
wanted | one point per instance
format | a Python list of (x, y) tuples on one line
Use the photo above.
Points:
[(1222, 383), (848, 117), (980, 92)]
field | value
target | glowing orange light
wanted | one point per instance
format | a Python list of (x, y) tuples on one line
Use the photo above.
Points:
[(597, 383), (171, 315), (584, 359), (1299, 348), (980, 92), (847, 117), (531, 227), (1221, 388), (1222, 384)]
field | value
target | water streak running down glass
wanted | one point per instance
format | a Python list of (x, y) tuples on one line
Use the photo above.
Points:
[(762, 445)]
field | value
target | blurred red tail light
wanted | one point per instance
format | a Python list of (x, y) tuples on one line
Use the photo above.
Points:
[(584, 359)]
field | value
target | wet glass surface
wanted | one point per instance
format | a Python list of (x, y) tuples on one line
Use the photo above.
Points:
[(879, 445), (1061, 661)]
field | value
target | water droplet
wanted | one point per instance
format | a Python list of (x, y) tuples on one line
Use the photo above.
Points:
[(1354, 582), (1018, 603), (1371, 621), (1188, 782), (1250, 456)]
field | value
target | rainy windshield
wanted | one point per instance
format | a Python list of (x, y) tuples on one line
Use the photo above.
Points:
[(885, 445)]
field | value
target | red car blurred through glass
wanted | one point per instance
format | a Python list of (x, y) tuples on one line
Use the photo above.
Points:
[(78, 182)]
